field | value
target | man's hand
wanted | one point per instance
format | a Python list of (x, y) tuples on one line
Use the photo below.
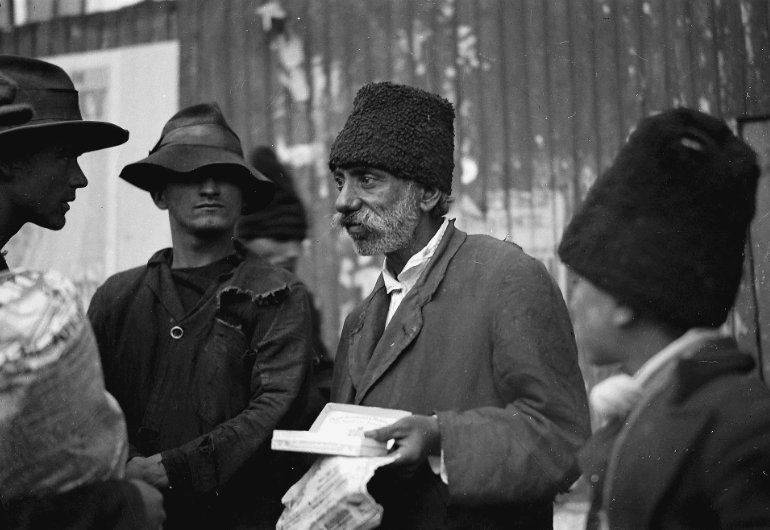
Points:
[(415, 438), (153, 503), (148, 469)]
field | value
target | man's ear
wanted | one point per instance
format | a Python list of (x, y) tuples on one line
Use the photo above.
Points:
[(159, 198), (6, 171), (622, 316), (429, 198)]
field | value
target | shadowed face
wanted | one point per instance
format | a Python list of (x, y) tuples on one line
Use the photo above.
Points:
[(201, 204), (43, 184), (596, 317), (379, 211)]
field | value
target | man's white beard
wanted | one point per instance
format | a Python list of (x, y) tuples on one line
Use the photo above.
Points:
[(388, 232)]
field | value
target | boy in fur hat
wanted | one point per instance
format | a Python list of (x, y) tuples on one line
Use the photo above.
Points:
[(467, 332), (657, 248)]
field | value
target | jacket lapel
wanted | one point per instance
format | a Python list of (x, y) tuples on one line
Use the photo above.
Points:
[(407, 322), (367, 331), (662, 441), (160, 282), (665, 433)]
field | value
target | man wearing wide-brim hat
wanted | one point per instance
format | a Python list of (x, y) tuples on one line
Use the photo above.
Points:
[(41, 135), (207, 351), (39, 172)]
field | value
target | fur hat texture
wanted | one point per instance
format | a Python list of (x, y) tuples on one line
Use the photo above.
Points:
[(663, 229), (401, 129)]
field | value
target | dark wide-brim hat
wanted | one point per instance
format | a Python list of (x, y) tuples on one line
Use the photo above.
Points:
[(56, 111), (663, 229), (195, 138)]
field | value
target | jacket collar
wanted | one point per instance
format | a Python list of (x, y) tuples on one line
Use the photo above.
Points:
[(406, 323), (250, 275), (679, 421)]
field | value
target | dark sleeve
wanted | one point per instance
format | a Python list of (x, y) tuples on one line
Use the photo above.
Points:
[(113, 504), (524, 451), (98, 315), (283, 348), (98, 312)]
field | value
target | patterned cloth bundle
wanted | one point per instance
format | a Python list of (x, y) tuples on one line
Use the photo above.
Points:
[(59, 428)]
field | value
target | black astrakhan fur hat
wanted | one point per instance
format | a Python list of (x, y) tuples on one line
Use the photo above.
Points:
[(400, 129), (663, 229)]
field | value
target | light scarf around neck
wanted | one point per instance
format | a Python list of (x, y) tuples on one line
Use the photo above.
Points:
[(617, 395)]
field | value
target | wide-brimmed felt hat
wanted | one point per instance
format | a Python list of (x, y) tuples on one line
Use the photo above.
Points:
[(12, 113), (53, 98), (194, 138)]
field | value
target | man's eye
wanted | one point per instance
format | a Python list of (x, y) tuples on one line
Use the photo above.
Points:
[(367, 180), (339, 183)]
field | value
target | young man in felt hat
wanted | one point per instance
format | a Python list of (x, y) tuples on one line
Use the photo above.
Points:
[(467, 332), (657, 248), (41, 135), (207, 351)]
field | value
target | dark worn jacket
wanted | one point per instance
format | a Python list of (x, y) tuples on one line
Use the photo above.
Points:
[(696, 456), (207, 388), (484, 341)]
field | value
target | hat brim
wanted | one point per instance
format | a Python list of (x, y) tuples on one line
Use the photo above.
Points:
[(86, 135), (154, 172)]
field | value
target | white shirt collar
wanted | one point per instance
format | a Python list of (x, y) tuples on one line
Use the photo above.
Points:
[(411, 272)]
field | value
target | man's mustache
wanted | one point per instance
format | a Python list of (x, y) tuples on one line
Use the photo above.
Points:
[(360, 217)]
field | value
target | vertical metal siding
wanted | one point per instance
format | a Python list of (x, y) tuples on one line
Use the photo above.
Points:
[(545, 90)]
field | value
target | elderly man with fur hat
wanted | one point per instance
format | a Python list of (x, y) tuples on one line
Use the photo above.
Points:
[(657, 248), (41, 135), (206, 350), (468, 333)]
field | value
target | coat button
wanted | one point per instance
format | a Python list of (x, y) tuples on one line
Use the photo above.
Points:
[(176, 332)]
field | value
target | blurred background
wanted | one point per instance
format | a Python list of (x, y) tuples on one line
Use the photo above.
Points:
[(545, 91)]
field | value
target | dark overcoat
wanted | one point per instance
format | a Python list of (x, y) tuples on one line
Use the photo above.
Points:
[(697, 455), (484, 341)]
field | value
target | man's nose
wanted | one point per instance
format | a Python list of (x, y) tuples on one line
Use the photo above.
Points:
[(209, 187), (347, 200), (77, 177)]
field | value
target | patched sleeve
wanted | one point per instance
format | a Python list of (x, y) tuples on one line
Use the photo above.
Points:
[(524, 451), (282, 342)]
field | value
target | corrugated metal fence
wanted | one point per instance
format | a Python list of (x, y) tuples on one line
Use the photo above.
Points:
[(546, 91)]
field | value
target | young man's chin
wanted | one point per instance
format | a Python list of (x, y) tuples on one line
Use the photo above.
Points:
[(51, 223)]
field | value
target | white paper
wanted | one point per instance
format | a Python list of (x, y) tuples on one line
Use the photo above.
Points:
[(332, 495)]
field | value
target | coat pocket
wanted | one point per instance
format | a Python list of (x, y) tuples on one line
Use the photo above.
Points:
[(223, 373)]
